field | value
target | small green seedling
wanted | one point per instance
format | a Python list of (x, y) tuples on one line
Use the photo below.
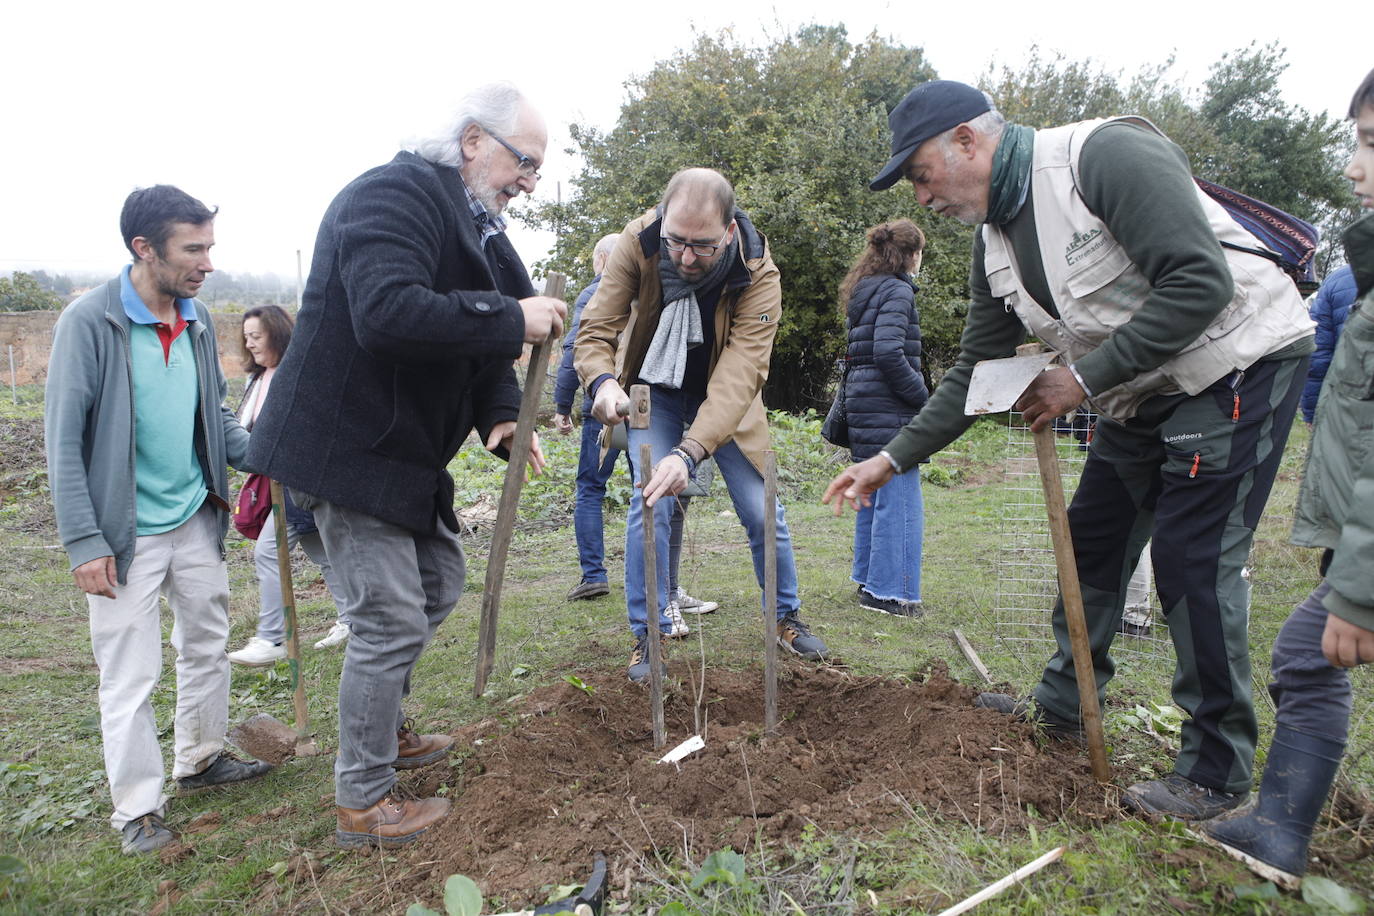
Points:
[(580, 684)]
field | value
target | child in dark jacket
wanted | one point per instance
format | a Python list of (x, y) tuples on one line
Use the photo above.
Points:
[(1333, 629)]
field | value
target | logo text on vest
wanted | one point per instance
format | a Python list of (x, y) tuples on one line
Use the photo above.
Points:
[(1083, 244)]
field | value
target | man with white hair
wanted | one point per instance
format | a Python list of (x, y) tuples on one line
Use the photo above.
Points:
[(1192, 346), (416, 307)]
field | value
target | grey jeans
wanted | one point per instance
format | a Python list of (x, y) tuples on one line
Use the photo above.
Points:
[(398, 587), (1311, 694)]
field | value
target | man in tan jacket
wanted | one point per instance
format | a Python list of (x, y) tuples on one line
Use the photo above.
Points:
[(689, 304)]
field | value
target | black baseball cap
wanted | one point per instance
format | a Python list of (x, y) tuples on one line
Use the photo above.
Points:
[(927, 111)]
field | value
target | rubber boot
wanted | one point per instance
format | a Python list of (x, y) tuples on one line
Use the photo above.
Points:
[(1272, 837)]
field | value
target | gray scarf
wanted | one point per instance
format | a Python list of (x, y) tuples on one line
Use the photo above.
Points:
[(679, 324)]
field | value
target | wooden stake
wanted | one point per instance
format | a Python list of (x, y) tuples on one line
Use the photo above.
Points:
[(510, 495), (770, 593), (967, 648), (639, 419), (992, 890), (304, 745)]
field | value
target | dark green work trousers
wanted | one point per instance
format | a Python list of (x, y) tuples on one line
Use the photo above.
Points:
[(1193, 473)]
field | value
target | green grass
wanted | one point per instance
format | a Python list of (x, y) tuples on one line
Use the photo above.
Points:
[(57, 853)]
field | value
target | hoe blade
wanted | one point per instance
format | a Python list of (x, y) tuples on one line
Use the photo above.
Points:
[(997, 383)]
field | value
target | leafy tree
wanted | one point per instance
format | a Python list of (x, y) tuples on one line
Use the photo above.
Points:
[(20, 292), (60, 284), (1274, 151)]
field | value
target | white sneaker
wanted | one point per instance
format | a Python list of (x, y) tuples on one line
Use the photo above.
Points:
[(674, 615), (258, 652), (690, 605), (338, 633)]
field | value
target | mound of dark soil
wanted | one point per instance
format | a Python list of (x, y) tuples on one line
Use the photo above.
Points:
[(577, 773)]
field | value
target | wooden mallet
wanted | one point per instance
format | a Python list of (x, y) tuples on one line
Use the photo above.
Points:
[(265, 736)]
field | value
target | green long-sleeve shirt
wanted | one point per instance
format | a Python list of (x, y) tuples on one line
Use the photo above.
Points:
[(1140, 184)]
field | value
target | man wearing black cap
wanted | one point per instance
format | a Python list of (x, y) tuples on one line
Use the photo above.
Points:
[(1094, 237)]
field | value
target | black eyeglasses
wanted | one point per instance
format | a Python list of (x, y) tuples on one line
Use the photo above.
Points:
[(523, 164), (701, 251)]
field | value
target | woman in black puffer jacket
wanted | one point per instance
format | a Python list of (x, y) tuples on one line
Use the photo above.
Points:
[(884, 389)]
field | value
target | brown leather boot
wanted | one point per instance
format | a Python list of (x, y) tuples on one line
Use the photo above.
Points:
[(415, 750), (390, 822)]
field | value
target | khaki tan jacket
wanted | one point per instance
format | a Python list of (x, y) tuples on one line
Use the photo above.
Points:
[(619, 322)]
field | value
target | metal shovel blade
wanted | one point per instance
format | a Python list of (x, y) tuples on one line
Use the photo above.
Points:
[(998, 383)]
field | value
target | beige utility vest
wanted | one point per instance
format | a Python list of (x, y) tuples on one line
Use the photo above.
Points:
[(1097, 288)]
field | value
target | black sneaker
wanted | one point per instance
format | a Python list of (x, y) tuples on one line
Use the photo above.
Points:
[(1179, 797), (585, 590), (896, 607), (225, 770), (639, 659), (145, 834), (797, 637), (1027, 710)]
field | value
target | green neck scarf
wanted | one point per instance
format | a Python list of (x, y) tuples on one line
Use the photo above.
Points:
[(1010, 173)]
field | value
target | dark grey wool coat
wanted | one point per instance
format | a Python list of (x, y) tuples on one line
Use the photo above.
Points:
[(404, 343)]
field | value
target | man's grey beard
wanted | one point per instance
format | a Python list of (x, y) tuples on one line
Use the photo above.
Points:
[(485, 193)]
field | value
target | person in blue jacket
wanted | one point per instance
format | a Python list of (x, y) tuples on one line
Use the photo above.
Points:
[(593, 470), (883, 390), (1329, 307)]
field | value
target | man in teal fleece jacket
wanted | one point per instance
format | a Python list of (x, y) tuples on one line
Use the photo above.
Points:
[(137, 441)]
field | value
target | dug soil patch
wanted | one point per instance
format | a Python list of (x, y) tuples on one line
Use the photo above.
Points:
[(572, 771)]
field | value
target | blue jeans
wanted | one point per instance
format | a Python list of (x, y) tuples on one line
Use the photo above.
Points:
[(887, 540), (591, 494), (670, 412)]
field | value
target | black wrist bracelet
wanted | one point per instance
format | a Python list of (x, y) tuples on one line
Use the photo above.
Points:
[(686, 458)]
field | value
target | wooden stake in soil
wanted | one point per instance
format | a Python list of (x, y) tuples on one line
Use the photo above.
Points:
[(305, 747), (770, 593), (969, 653), (510, 495), (639, 419)]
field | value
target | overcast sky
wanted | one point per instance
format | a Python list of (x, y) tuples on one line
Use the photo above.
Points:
[(268, 109)]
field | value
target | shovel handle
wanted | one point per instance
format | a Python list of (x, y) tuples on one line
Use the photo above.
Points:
[(638, 411), (288, 596), (510, 497)]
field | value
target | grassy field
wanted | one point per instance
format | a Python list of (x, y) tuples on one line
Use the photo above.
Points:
[(272, 849)]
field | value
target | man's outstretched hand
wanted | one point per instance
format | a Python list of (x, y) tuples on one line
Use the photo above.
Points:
[(857, 483)]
